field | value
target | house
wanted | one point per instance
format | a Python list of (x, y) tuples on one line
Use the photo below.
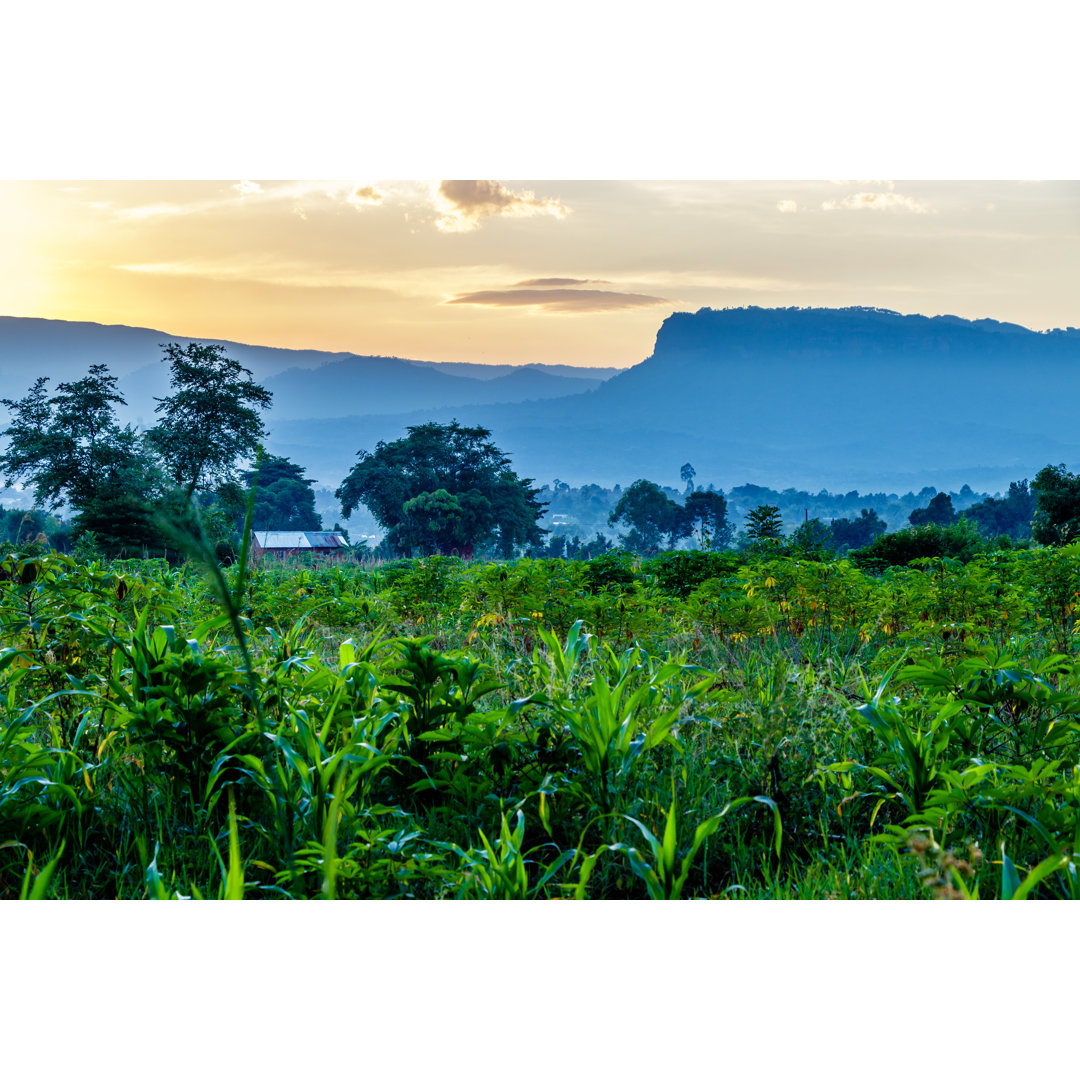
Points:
[(288, 545)]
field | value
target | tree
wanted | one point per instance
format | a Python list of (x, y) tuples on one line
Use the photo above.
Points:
[(651, 516), (706, 514), (1010, 516), (283, 495), (812, 538), (68, 446), (475, 498), (764, 525), (1057, 507), (687, 474), (957, 541), (850, 533), (209, 422), (74, 451), (939, 512)]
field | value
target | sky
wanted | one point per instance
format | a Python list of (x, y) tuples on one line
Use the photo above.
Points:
[(506, 271)]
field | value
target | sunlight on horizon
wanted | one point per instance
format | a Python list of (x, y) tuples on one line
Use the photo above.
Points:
[(580, 272)]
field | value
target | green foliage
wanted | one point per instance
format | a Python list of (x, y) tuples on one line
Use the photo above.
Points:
[(1057, 507), (939, 511), (1010, 516), (283, 495), (848, 534), (444, 487), (680, 572), (701, 724), (705, 516), (209, 421), (764, 526), (73, 450), (651, 515), (958, 541)]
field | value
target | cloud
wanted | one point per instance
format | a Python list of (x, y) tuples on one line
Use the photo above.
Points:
[(547, 282), (465, 202), (294, 192), (877, 200), (564, 300), (787, 206), (366, 196), (138, 213)]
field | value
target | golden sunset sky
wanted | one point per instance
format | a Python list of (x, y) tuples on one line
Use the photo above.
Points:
[(579, 272)]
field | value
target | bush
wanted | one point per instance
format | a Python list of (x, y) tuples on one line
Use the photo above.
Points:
[(614, 568), (960, 541), (680, 572)]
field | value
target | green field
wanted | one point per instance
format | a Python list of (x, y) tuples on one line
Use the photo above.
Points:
[(695, 725)]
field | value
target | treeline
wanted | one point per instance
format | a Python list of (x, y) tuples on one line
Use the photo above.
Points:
[(658, 518)]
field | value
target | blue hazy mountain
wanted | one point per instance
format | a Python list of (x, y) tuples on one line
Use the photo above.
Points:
[(384, 384), (820, 397), (307, 383), (805, 397)]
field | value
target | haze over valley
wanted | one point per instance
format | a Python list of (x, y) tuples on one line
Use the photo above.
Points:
[(808, 398)]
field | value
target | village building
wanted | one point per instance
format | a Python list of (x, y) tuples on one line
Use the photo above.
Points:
[(290, 545)]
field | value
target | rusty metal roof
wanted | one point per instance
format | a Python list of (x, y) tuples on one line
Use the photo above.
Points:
[(310, 541)]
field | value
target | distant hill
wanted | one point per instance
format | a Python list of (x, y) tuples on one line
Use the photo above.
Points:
[(307, 382), (807, 397), (493, 371), (383, 384)]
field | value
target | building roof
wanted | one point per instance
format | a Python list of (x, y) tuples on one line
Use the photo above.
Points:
[(311, 541)]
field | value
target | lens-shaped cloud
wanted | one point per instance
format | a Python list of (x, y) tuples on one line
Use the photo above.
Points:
[(563, 300), (549, 282), (465, 202)]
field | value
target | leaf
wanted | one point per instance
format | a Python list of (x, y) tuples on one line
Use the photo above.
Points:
[(43, 881), (1010, 879), (234, 882)]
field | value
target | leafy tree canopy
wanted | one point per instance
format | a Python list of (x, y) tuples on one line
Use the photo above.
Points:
[(1010, 516), (957, 541), (72, 449), (474, 498), (813, 538), (764, 525), (651, 516), (705, 513), (851, 533), (283, 495), (209, 422), (70, 446), (1057, 513), (939, 512)]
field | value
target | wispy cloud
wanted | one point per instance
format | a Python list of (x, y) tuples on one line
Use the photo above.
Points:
[(464, 203), (548, 282), (787, 206), (296, 275), (299, 193), (877, 200), (561, 300)]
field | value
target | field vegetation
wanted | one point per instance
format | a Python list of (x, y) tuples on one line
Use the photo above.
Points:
[(698, 724)]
